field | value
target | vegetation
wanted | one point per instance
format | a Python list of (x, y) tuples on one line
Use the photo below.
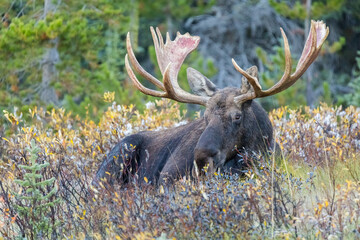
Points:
[(311, 191), (65, 102), (68, 55)]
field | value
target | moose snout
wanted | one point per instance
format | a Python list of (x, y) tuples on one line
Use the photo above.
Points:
[(207, 150), (206, 156)]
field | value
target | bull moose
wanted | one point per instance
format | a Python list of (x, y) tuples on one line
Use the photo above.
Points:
[(232, 119)]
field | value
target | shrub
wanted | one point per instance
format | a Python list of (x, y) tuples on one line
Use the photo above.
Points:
[(272, 200)]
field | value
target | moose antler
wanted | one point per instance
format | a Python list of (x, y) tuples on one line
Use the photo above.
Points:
[(315, 40), (170, 57)]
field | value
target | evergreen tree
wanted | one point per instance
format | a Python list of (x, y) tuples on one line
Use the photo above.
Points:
[(69, 53), (36, 197), (66, 54)]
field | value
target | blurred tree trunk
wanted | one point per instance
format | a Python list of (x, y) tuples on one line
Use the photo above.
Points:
[(134, 23), (51, 57), (308, 73), (169, 21)]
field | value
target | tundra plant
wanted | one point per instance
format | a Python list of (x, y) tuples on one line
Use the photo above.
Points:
[(36, 197)]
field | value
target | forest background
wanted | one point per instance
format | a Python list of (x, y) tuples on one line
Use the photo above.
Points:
[(69, 53)]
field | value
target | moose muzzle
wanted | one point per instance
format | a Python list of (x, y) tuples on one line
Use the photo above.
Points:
[(208, 148)]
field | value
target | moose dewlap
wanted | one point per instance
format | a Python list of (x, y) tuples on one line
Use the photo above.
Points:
[(231, 119)]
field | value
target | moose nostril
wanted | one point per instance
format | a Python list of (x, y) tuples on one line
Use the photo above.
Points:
[(205, 156)]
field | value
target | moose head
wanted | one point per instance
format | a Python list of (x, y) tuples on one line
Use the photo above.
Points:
[(232, 118)]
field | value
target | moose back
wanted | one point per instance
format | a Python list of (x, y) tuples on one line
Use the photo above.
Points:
[(232, 121)]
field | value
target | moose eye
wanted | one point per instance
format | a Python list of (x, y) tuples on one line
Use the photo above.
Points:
[(237, 117)]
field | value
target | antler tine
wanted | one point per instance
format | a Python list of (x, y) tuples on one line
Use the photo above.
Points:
[(287, 71), (137, 83), (317, 35), (161, 40), (252, 80), (172, 88), (178, 94), (168, 37), (138, 67), (155, 39), (170, 56)]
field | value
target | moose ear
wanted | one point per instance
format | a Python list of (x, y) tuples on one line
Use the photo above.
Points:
[(199, 84), (245, 85)]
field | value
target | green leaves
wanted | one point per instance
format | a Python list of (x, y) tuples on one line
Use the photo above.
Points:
[(178, 9), (90, 60), (36, 195), (319, 9), (353, 98)]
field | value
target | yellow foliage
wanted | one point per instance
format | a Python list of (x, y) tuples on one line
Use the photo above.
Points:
[(304, 135), (312, 135)]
